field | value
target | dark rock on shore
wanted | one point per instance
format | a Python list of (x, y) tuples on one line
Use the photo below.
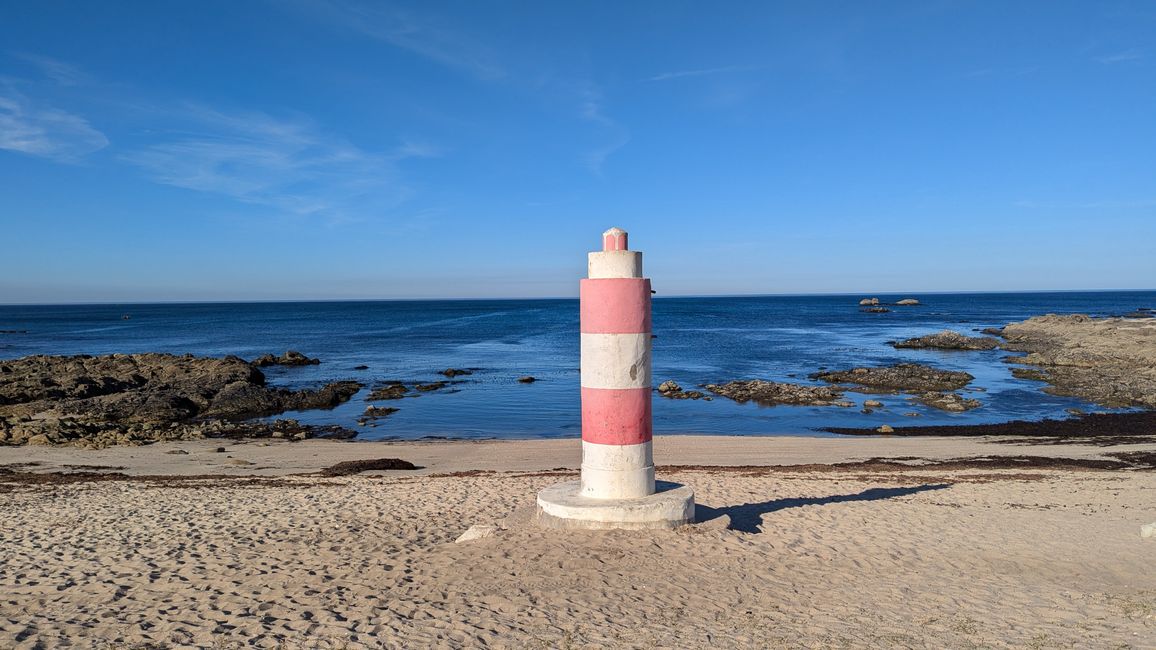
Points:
[(290, 358), (771, 393), (118, 399), (351, 467), (949, 340), (671, 390), (904, 377)]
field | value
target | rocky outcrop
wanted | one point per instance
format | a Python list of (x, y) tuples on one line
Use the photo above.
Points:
[(875, 310), (904, 377), (949, 340), (142, 397), (771, 393), (868, 302), (455, 372), (290, 358), (908, 302), (1110, 361)]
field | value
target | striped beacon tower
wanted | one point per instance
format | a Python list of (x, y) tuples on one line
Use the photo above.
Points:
[(617, 462), (617, 488)]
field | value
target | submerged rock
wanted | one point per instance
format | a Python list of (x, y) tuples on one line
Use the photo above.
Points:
[(771, 393), (875, 310), (454, 372), (904, 377), (949, 340), (527, 379)]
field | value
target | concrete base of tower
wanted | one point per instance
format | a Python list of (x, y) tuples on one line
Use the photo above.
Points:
[(563, 506)]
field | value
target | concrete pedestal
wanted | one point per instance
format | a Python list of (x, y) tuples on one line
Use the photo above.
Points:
[(563, 506)]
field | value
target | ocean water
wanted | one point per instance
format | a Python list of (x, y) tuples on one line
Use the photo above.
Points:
[(699, 340)]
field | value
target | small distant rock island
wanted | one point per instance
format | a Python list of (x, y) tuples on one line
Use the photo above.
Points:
[(874, 302)]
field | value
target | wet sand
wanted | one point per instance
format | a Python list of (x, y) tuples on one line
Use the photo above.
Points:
[(808, 542)]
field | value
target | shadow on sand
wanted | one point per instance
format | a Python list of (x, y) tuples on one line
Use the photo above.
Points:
[(749, 516)]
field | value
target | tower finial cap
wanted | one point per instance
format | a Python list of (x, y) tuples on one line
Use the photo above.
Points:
[(615, 240)]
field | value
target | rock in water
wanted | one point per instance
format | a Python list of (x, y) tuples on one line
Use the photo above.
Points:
[(905, 377), (868, 302), (527, 379), (454, 372), (908, 302), (949, 402), (671, 390), (379, 411), (290, 358), (949, 340), (771, 393), (389, 391)]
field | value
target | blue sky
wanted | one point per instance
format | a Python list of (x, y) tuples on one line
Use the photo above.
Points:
[(321, 149)]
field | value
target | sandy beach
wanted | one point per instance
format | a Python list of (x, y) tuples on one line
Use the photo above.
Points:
[(147, 547)]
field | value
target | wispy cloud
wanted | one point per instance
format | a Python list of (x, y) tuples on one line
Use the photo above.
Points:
[(38, 130), (58, 71), (421, 34), (700, 72), (591, 109), (287, 164), (1133, 54)]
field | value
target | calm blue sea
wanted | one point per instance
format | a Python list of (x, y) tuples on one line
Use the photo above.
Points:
[(700, 340)]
